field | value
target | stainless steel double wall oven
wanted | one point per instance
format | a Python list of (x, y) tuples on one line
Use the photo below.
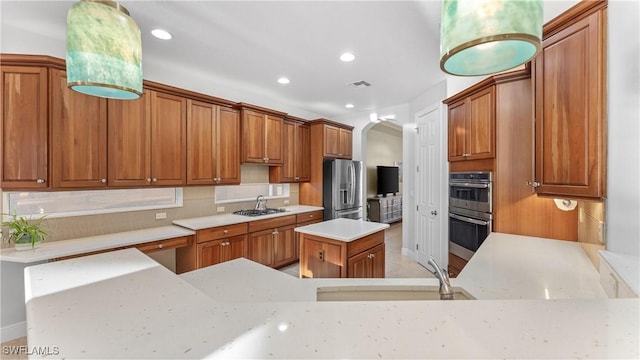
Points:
[(470, 211)]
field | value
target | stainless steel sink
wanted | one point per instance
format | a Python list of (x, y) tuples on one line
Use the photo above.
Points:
[(386, 293), (256, 212)]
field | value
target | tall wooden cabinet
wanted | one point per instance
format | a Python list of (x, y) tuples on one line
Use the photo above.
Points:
[(78, 124), (328, 138), (296, 167), (261, 136), (24, 130), (213, 140), (570, 95), (147, 140), (472, 125)]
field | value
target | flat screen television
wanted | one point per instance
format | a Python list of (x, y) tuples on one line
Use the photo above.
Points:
[(388, 180)]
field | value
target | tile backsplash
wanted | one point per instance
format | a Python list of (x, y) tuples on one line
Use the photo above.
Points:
[(591, 229)]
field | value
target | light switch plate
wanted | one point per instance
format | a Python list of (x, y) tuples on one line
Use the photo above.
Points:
[(220, 209), (161, 215)]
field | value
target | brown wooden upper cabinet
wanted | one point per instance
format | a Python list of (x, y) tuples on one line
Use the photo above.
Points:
[(337, 142), (213, 140), (262, 137), (570, 95), (24, 128), (78, 125), (472, 124), (147, 140), (296, 138)]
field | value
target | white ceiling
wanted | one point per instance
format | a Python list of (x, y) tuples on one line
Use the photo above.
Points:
[(238, 49)]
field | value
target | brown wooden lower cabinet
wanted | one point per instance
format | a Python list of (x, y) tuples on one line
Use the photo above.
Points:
[(218, 251), (322, 257), (272, 242), (456, 264)]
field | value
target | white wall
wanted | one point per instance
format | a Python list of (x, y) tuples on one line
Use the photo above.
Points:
[(623, 103)]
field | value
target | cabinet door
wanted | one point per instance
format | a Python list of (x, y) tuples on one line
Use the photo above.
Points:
[(24, 128), (346, 144), (228, 146), (457, 131), (253, 140), (359, 266), (377, 261), (129, 141), (260, 247), (331, 141), (79, 126), (168, 139), (235, 247), (303, 153), (273, 140), (285, 246), (210, 253), (481, 133), (201, 143), (288, 171), (570, 111)]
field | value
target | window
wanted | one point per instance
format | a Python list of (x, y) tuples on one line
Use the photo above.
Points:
[(249, 192), (74, 203)]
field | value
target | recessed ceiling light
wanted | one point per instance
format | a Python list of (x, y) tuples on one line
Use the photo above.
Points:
[(349, 106), (283, 81), (161, 34), (346, 57)]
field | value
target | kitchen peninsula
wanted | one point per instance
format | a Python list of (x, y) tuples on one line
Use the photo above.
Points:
[(341, 248), (240, 309)]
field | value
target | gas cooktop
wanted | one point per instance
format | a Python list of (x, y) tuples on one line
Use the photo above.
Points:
[(255, 212)]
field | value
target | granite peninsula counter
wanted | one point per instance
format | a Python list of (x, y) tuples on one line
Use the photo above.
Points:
[(124, 305)]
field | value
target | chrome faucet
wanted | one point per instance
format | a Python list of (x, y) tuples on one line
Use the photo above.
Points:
[(261, 203), (446, 291)]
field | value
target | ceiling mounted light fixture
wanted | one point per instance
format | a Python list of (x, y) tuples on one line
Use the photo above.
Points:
[(347, 57), (283, 81), (104, 50), (482, 37), (161, 34), (349, 106)]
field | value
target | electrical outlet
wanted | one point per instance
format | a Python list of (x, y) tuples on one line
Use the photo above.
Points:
[(220, 209), (160, 216), (286, 202)]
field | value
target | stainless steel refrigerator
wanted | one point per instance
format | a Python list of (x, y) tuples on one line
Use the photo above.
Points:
[(342, 189)]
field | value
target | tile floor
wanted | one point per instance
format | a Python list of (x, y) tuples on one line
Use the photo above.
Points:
[(396, 264)]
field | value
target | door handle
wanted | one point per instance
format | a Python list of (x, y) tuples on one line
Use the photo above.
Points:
[(434, 213)]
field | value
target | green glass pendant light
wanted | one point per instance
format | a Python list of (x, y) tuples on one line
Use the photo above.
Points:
[(104, 50), (480, 37)]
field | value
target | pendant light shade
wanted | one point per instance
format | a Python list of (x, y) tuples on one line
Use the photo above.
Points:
[(104, 50), (480, 37)]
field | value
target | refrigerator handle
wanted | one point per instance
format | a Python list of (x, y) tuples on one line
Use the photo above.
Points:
[(353, 183)]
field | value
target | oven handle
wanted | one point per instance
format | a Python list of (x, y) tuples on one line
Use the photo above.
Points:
[(468, 219), (470, 185)]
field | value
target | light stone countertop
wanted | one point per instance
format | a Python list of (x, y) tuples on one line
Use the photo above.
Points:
[(626, 266), (55, 249), (240, 309), (205, 222), (345, 230)]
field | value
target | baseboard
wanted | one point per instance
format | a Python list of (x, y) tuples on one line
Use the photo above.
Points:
[(410, 253), (13, 331)]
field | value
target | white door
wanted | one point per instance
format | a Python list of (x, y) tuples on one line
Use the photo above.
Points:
[(431, 168)]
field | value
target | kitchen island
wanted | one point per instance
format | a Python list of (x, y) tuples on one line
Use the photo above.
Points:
[(124, 305), (342, 248)]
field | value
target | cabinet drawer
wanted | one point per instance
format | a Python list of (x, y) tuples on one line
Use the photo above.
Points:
[(308, 216), (164, 244), (221, 232), (272, 223), (366, 243)]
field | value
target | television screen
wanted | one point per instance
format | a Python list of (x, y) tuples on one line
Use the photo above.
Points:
[(388, 180)]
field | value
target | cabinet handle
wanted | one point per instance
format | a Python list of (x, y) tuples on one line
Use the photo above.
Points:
[(159, 246), (227, 243), (321, 255), (225, 231), (104, 181), (40, 181), (534, 184), (148, 179), (154, 179), (265, 159)]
